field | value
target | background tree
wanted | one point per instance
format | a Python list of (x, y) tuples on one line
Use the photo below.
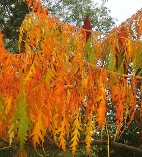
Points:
[(12, 13), (75, 11)]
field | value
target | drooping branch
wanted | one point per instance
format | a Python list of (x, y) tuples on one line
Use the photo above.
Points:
[(115, 144), (116, 73)]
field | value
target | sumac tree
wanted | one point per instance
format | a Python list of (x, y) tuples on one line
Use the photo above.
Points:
[(65, 87)]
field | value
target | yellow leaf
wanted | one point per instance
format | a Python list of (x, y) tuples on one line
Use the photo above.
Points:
[(89, 131), (30, 73), (9, 105), (38, 132), (11, 133)]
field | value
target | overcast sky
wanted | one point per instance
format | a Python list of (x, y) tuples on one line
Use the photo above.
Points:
[(123, 9)]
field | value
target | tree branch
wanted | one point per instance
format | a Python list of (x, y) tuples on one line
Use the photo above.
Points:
[(116, 144)]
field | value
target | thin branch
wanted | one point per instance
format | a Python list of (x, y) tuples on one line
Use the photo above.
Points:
[(116, 144), (115, 73), (108, 142)]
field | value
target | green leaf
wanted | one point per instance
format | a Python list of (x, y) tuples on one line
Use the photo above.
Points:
[(111, 62), (20, 107), (139, 73), (89, 52), (120, 69), (21, 121), (91, 56), (86, 49), (24, 125)]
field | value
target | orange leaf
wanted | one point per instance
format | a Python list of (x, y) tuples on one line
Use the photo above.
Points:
[(101, 113)]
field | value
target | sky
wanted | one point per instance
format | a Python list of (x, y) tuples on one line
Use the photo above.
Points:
[(122, 9)]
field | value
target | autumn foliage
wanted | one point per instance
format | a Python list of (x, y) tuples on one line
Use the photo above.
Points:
[(61, 85)]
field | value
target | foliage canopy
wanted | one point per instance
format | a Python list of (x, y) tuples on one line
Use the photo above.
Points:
[(63, 86), (12, 14)]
